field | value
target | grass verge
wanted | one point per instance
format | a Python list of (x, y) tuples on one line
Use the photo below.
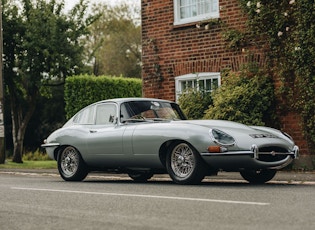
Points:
[(29, 165)]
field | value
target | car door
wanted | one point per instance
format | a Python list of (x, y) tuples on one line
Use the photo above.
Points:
[(104, 141)]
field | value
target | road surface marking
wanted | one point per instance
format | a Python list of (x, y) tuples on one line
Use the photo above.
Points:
[(143, 196)]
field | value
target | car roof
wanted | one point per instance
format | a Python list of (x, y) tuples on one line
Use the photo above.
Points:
[(122, 100)]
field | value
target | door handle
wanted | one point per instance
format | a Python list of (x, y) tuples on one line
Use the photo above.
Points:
[(93, 131)]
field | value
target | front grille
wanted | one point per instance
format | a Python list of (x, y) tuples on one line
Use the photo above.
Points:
[(272, 153), (273, 149)]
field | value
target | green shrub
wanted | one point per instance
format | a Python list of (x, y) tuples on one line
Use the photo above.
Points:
[(194, 103), (83, 90), (36, 156), (246, 98)]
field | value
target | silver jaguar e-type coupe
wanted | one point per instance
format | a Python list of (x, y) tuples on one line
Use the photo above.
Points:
[(145, 136)]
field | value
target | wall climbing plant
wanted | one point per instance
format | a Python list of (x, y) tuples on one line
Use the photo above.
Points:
[(287, 28)]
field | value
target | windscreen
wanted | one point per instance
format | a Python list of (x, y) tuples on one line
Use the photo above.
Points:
[(150, 110)]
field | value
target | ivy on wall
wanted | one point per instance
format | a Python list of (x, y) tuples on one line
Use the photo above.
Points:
[(287, 28)]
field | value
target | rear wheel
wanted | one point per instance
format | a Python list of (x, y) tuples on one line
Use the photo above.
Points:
[(71, 166), (140, 176), (258, 176), (184, 164)]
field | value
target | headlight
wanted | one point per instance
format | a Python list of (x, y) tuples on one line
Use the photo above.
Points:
[(221, 138)]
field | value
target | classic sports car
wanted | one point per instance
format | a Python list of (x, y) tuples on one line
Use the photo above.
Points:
[(143, 137)]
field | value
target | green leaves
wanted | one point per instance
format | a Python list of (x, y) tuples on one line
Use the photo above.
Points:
[(288, 28), (42, 46), (243, 98), (194, 103), (114, 44)]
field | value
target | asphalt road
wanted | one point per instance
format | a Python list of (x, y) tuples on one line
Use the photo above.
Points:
[(44, 201)]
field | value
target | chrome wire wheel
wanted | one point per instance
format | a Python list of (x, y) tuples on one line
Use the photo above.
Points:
[(71, 166), (184, 164), (69, 161), (182, 160)]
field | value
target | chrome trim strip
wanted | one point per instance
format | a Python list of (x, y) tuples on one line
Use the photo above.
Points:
[(50, 145), (234, 153)]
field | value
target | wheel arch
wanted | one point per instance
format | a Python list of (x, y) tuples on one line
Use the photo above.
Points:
[(165, 147), (61, 148), (58, 150)]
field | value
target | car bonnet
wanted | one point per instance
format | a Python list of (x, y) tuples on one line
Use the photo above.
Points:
[(244, 135)]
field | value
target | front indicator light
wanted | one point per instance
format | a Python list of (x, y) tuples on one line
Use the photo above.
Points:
[(216, 149)]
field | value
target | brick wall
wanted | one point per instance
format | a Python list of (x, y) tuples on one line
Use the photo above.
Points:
[(169, 51)]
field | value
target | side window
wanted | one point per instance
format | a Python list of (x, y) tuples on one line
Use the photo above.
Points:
[(86, 116), (105, 114), (204, 82), (188, 11)]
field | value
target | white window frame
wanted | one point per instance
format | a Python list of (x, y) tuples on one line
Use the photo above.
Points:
[(195, 77), (215, 12)]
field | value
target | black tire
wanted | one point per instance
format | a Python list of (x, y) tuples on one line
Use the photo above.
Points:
[(258, 176), (184, 164), (71, 166), (140, 176)]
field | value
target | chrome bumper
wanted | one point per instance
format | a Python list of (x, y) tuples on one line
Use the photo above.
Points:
[(235, 160), (50, 149), (50, 145)]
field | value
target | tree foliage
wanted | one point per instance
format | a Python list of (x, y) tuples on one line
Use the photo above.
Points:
[(114, 45), (42, 45)]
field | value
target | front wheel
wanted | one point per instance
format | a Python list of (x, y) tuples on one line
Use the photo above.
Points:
[(184, 164), (258, 176), (71, 166)]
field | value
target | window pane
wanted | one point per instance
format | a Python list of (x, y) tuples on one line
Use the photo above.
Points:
[(187, 8), (105, 114), (192, 8), (215, 83), (195, 10), (189, 84), (201, 85), (86, 116), (208, 85), (195, 84), (215, 5), (183, 85), (203, 6)]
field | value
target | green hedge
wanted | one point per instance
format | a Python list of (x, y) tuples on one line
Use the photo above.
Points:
[(83, 90)]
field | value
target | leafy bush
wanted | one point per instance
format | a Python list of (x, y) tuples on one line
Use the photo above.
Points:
[(194, 103), (246, 97), (36, 156), (83, 90)]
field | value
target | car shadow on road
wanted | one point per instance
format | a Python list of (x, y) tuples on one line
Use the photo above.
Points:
[(217, 183)]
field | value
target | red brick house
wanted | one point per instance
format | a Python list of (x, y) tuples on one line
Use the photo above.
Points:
[(182, 40)]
